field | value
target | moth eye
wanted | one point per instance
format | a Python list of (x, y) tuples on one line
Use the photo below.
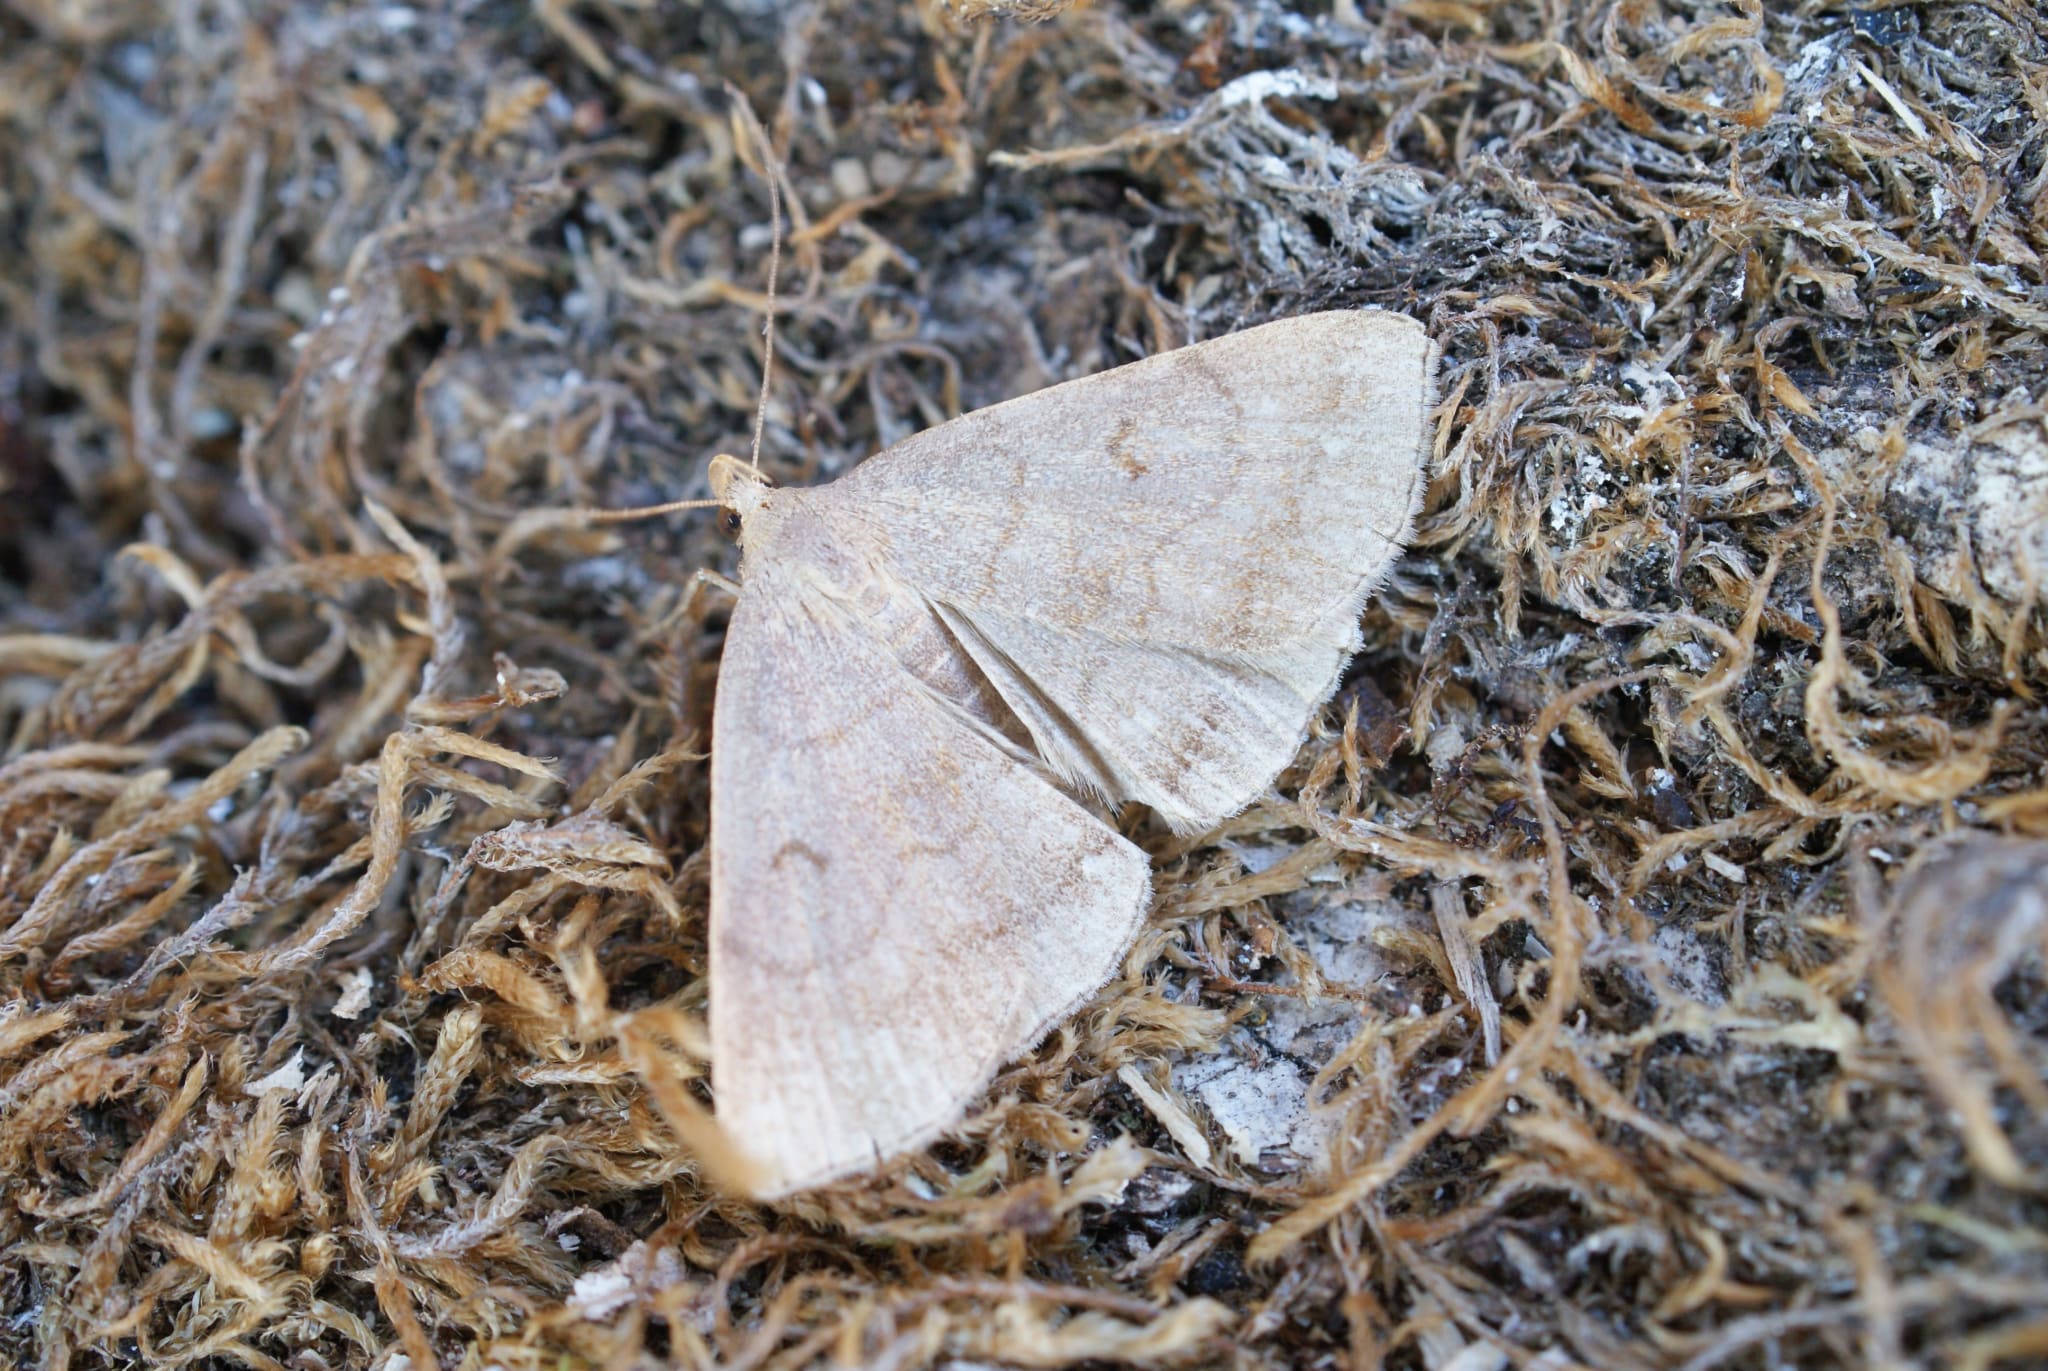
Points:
[(731, 523)]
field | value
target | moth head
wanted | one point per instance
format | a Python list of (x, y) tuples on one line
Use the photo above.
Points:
[(739, 488)]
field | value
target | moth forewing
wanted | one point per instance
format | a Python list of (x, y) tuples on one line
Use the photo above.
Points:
[(1155, 574)]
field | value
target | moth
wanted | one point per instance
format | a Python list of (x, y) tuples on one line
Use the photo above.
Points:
[(944, 667)]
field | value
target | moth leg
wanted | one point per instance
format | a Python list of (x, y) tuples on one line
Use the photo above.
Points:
[(689, 612), (705, 576), (684, 624)]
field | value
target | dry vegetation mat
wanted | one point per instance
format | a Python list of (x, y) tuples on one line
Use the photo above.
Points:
[(1641, 966)]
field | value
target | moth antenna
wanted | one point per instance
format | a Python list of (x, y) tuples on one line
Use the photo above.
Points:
[(771, 171), (619, 516), (532, 522), (525, 526)]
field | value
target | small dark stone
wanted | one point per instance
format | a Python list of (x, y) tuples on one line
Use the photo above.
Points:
[(1218, 1273), (1884, 27)]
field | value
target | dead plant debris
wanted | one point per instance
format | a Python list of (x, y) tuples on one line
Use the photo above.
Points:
[(1642, 967)]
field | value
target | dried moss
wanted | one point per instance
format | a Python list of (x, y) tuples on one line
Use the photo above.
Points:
[(352, 799)]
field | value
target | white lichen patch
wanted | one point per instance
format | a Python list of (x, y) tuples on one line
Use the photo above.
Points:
[(1976, 512), (1257, 1090)]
